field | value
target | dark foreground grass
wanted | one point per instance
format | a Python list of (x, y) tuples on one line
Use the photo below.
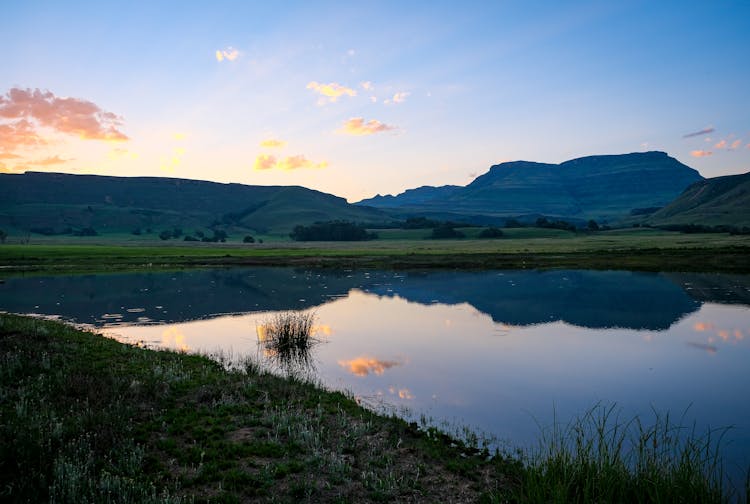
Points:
[(88, 419)]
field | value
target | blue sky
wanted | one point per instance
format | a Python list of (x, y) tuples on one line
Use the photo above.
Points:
[(371, 97)]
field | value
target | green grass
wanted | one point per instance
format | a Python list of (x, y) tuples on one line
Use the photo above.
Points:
[(88, 419), (636, 249)]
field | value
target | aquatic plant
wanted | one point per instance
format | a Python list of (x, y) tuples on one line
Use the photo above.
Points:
[(287, 338), (600, 457)]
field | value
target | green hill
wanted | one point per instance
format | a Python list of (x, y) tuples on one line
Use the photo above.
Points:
[(53, 203), (720, 201), (604, 188)]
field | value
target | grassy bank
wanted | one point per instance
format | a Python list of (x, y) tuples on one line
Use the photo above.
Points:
[(87, 419), (637, 249)]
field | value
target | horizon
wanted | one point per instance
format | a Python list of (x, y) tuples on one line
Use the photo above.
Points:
[(308, 96)]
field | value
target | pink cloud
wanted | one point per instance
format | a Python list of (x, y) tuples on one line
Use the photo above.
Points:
[(24, 111), (721, 145), (270, 162), (735, 144), (358, 126), (700, 153), (48, 161)]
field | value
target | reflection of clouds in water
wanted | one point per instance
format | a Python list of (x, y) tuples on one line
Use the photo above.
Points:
[(706, 348), (322, 329), (364, 365), (726, 335), (174, 338), (402, 393)]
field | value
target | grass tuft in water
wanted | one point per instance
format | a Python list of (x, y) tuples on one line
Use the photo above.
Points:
[(288, 339)]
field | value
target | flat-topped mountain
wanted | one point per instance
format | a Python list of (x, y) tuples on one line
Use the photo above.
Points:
[(594, 187), (53, 202)]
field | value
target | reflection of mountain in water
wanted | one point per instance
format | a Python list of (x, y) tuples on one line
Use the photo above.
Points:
[(593, 299), (169, 297)]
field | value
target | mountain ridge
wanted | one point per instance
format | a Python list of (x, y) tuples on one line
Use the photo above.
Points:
[(602, 187), (57, 201)]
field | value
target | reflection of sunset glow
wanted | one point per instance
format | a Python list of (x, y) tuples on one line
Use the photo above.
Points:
[(363, 366), (323, 329), (173, 337), (402, 393), (726, 335)]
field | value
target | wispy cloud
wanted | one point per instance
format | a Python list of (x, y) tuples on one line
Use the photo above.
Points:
[(701, 153), (735, 144), (273, 143), (397, 98), (367, 85), (270, 162), (228, 53), (721, 145), (48, 161), (358, 126), (332, 91), (702, 132)]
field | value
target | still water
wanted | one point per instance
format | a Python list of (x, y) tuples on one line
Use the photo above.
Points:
[(499, 351)]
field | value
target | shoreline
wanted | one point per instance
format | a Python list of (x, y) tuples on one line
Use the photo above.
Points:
[(86, 415)]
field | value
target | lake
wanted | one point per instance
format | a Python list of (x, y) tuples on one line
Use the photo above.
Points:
[(503, 352)]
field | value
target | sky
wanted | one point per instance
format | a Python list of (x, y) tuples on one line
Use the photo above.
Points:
[(365, 98)]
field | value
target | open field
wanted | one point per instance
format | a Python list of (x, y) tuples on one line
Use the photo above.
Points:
[(88, 419), (637, 249)]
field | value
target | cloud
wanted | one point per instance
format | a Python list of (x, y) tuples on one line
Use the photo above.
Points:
[(721, 145), (228, 53), (270, 162), (272, 143), (367, 85), (700, 153), (21, 133), (24, 112), (400, 97), (363, 366), (358, 126), (48, 161), (705, 131), (331, 91), (735, 144)]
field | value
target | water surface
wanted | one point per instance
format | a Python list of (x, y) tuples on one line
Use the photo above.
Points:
[(500, 351)]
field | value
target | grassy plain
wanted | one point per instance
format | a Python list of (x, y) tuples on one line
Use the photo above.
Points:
[(88, 419), (636, 249)]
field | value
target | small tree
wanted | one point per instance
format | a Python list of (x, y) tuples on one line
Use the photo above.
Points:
[(3, 236), (491, 232), (248, 239), (593, 226)]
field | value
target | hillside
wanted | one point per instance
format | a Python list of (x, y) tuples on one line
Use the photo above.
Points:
[(711, 202), (595, 187), (54, 202)]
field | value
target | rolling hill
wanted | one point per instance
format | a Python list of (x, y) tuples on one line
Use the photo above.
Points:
[(54, 202), (720, 201), (604, 188)]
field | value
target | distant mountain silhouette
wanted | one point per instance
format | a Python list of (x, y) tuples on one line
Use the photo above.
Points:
[(711, 202), (594, 187), (55, 201)]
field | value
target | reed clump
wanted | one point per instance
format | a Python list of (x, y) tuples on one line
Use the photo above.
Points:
[(288, 339), (601, 457)]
